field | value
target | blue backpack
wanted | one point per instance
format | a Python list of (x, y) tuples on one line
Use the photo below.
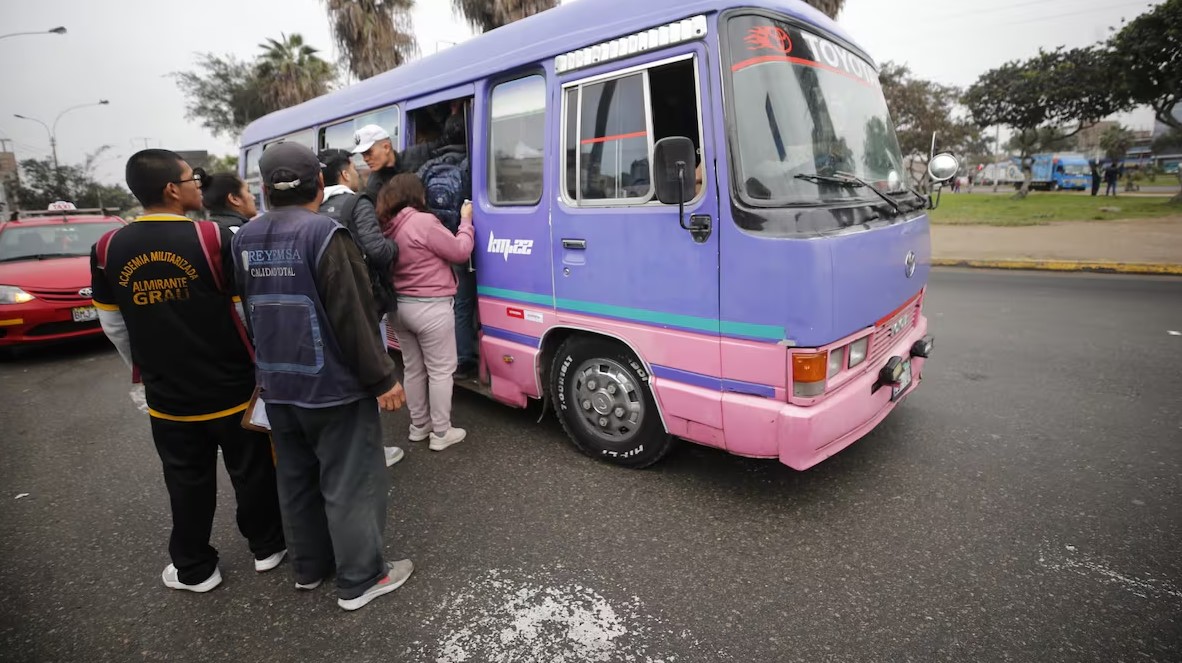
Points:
[(447, 181)]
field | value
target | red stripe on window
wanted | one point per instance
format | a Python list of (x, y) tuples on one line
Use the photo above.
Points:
[(808, 63), (604, 139)]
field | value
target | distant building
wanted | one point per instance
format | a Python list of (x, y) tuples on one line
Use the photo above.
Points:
[(1088, 139)]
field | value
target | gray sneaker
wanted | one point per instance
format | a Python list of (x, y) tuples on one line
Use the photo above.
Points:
[(395, 578)]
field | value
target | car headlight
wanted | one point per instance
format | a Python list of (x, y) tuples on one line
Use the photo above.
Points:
[(858, 351), (10, 294)]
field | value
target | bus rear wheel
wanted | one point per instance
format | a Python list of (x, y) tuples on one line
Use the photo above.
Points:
[(602, 396)]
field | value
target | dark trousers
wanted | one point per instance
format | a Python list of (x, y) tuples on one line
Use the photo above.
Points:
[(465, 311), (188, 452), (1110, 189), (332, 490), (1095, 185)]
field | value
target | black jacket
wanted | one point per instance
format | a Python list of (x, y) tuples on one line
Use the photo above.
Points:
[(228, 219), (362, 222), (409, 160)]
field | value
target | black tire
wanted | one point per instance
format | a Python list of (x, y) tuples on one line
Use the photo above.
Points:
[(607, 372)]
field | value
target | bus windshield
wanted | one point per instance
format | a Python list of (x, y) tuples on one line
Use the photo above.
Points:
[(805, 107)]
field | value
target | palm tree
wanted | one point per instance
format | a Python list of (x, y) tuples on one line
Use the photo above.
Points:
[(290, 72), (485, 15), (830, 8), (374, 35)]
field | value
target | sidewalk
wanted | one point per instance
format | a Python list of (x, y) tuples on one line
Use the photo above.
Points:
[(1140, 246)]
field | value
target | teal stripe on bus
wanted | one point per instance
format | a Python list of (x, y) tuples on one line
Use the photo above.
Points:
[(687, 322)]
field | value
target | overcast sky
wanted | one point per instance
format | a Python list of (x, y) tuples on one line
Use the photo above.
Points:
[(125, 50)]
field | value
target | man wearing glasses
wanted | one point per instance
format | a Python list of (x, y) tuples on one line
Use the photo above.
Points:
[(164, 290)]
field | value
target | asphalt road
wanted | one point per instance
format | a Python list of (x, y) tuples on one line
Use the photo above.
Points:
[(1023, 505)]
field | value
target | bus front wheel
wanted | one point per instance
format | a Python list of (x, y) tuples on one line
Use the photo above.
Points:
[(602, 396)]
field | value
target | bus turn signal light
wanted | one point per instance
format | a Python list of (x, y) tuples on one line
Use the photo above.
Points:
[(809, 371)]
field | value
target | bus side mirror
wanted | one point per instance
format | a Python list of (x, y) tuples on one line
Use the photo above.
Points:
[(673, 169), (943, 167)]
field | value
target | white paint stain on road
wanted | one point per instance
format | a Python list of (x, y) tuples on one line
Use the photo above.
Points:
[(1171, 332), (22, 495), (1075, 562), (505, 617)]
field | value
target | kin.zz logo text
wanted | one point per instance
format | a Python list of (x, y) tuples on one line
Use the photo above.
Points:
[(521, 247)]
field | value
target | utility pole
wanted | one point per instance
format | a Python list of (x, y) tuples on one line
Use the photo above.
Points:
[(4, 144)]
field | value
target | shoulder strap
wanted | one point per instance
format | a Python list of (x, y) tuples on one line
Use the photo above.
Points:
[(209, 235), (101, 247)]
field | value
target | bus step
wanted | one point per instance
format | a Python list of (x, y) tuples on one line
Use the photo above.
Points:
[(474, 384)]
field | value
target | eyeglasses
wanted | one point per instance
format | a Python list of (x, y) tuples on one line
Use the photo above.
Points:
[(198, 177)]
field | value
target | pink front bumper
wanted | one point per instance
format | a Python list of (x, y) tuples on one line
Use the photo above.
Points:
[(809, 435), (802, 436)]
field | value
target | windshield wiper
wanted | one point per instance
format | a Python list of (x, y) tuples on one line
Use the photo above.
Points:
[(850, 182), (40, 256)]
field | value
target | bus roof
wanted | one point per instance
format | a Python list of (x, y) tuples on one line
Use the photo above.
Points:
[(546, 35)]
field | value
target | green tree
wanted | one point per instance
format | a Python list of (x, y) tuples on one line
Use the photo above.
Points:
[(374, 35), (1171, 143), (1053, 89), (1116, 141), (225, 94), (1147, 53), (226, 164), (290, 72), (920, 108), (485, 15), (830, 8), (40, 186)]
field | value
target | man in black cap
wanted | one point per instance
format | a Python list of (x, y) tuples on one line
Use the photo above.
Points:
[(324, 373)]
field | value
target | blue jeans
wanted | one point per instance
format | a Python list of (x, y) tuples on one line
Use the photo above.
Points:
[(465, 311)]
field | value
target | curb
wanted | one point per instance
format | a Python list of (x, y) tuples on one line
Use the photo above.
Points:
[(1065, 266)]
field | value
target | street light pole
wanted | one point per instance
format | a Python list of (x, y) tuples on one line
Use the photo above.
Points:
[(57, 171), (59, 30)]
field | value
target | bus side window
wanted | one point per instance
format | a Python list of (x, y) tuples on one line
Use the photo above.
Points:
[(674, 97), (614, 140), (252, 176), (338, 136), (517, 141)]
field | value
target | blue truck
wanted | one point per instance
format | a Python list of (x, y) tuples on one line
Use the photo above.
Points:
[(1052, 172)]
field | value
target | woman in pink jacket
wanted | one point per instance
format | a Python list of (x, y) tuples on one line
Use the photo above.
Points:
[(425, 324)]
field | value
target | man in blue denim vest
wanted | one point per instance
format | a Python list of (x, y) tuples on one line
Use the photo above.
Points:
[(324, 373)]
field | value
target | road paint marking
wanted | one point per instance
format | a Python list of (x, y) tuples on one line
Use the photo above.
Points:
[(505, 616), (22, 495), (1088, 566)]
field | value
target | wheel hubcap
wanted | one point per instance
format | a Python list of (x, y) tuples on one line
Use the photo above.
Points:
[(611, 400)]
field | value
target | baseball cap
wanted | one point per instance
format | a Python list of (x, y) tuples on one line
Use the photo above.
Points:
[(287, 165), (366, 136)]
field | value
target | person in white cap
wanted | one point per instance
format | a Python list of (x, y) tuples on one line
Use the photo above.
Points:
[(374, 145)]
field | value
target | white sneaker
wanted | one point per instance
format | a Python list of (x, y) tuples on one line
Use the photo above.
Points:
[(418, 434), (395, 578), (308, 586), (452, 436), (171, 578), (262, 565), (393, 455)]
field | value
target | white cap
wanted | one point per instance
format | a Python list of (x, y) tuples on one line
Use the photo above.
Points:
[(366, 136)]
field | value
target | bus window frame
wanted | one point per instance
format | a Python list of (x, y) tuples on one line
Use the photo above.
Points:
[(491, 85), (692, 51)]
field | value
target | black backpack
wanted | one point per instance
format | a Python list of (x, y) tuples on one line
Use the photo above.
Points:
[(448, 182)]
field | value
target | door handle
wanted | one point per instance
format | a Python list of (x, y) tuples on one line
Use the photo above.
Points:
[(575, 244)]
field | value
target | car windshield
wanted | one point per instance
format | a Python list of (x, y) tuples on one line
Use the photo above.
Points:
[(1076, 169), (805, 106), (50, 241)]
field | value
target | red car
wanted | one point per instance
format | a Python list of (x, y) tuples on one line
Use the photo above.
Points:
[(45, 275)]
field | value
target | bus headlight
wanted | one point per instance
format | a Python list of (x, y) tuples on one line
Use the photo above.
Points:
[(858, 351), (836, 361)]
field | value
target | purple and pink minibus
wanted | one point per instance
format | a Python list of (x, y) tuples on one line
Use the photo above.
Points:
[(692, 221)]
